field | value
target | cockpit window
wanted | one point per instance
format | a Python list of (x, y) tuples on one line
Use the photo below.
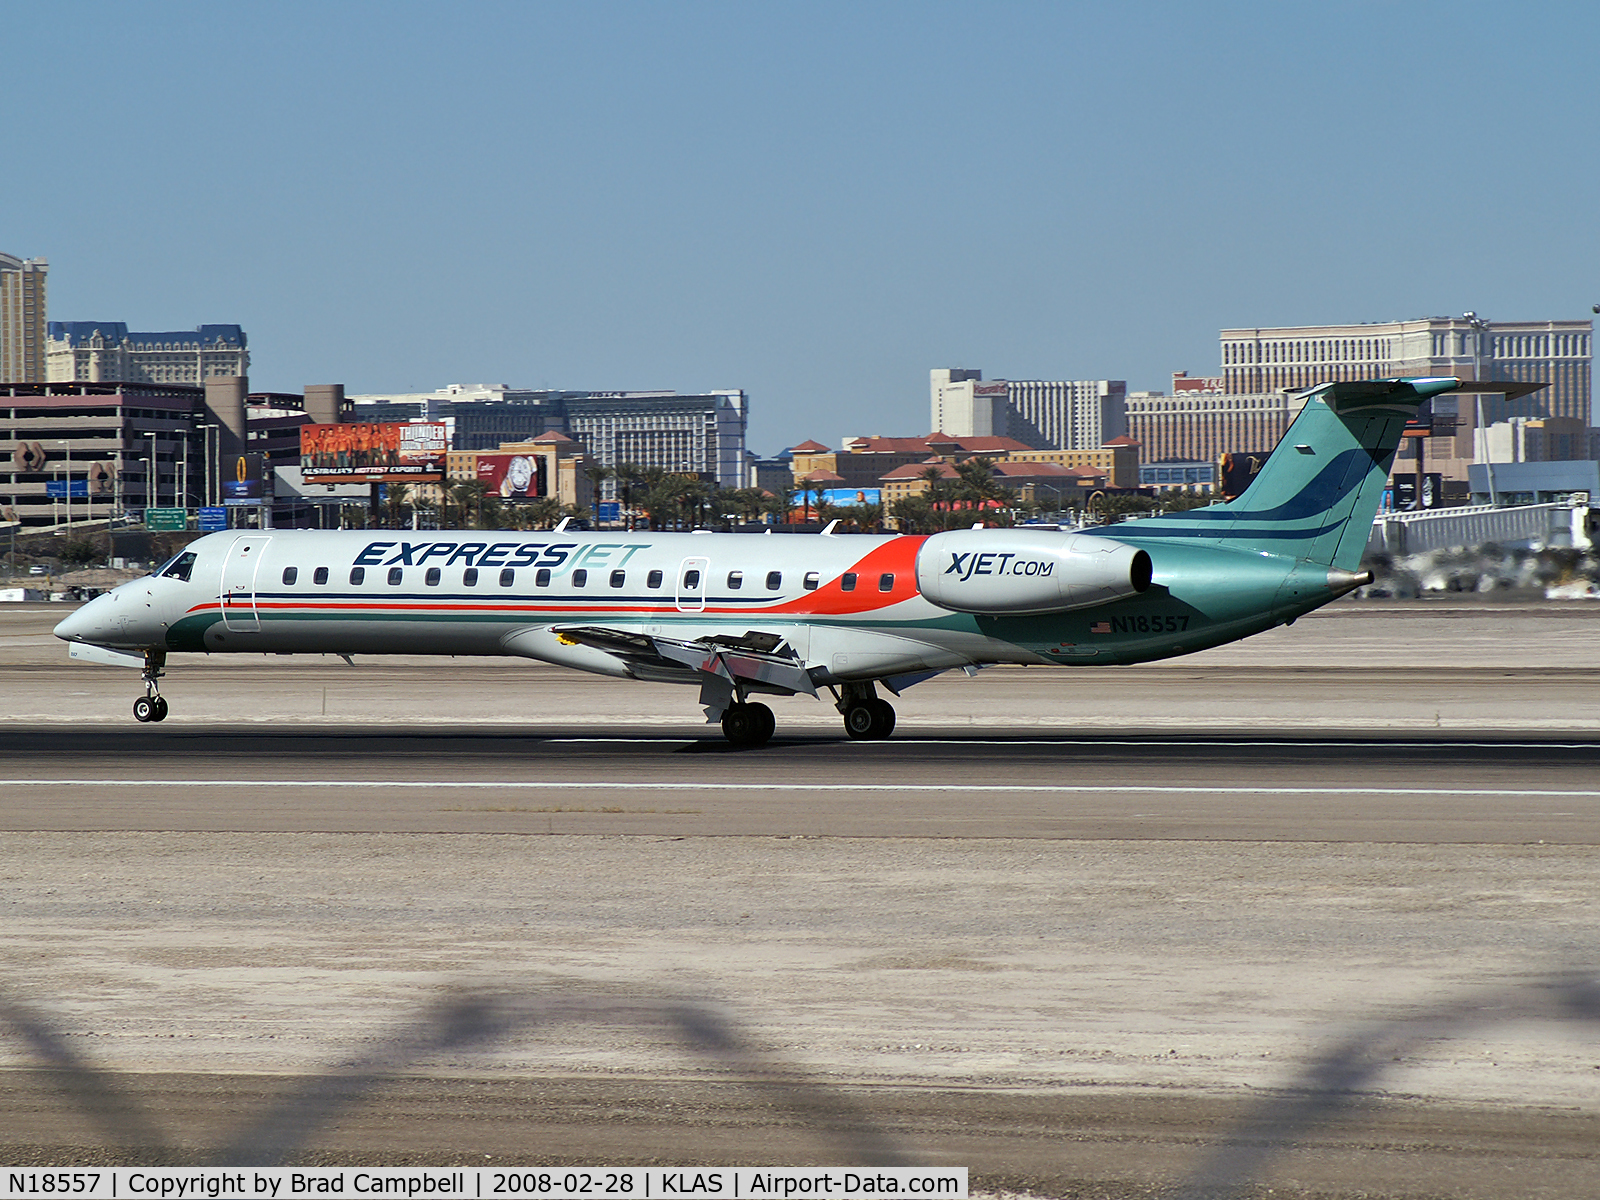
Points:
[(179, 567)]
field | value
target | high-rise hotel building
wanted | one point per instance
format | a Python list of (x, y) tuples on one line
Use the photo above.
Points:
[(1199, 421), (1046, 414), (22, 319), (1560, 353)]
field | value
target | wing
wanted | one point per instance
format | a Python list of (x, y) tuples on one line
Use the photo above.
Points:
[(725, 667)]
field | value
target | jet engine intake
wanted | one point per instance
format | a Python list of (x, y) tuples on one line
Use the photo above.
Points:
[(1024, 571)]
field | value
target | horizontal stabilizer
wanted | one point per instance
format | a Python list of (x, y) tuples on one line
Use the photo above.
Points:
[(1354, 393)]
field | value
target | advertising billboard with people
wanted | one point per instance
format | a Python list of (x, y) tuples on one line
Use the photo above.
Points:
[(391, 452)]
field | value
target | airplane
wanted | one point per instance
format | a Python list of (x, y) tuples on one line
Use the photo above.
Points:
[(741, 616)]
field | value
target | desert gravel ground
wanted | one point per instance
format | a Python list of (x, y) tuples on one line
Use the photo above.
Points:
[(1072, 1018)]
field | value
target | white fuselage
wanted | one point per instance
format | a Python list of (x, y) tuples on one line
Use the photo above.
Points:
[(848, 606)]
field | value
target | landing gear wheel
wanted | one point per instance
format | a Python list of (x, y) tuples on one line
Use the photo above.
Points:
[(869, 720), (748, 724), (161, 709), (766, 723), (885, 716), (144, 709)]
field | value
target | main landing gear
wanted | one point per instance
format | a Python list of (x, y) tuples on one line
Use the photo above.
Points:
[(152, 706), (747, 724), (867, 716)]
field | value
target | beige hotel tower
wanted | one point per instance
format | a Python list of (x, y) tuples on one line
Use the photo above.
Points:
[(22, 319)]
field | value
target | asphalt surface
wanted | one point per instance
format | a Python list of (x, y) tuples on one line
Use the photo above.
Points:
[(1277, 786), (1070, 929)]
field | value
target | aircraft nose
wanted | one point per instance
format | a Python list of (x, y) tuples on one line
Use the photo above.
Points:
[(92, 622)]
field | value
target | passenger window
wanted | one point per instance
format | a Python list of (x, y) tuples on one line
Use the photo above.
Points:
[(320, 575), (618, 578), (735, 580), (469, 577), (691, 579), (886, 583), (811, 581), (653, 579), (432, 577), (396, 574), (541, 577), (507, 577), (774, 580), (847, 582), (179, 567), (290, 574), (358, 574), (580, 577)]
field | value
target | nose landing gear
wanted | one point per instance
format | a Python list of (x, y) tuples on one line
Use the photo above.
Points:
[(152, 706)]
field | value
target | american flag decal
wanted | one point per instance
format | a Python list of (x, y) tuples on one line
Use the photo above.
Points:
[(1100, 627)]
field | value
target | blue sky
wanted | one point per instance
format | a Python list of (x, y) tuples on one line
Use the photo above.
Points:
[(815, 202)]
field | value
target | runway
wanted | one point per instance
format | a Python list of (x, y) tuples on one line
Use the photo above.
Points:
[(1064, 928), (1268, 786)]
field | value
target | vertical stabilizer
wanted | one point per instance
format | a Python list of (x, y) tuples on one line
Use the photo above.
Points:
[(1316, 495)]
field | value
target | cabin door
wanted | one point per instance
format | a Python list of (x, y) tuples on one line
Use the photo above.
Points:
[(239, 582), (692, 584)]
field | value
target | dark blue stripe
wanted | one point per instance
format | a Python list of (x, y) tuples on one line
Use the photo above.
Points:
[(1122, 533)]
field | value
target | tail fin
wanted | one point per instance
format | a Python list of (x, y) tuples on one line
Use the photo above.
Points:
[(1316, 495)]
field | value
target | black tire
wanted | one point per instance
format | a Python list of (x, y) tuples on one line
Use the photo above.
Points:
[(144, 709), (766, 723), (161, 709), (748, 724), (885, 717), (861, 721)]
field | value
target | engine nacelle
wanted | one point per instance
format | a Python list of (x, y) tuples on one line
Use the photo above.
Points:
[(1021, 571)]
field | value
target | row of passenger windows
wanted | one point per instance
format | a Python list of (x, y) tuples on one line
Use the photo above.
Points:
[(434, 576)]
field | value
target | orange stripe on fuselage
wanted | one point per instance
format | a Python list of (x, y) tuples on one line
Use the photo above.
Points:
[(897, 558)]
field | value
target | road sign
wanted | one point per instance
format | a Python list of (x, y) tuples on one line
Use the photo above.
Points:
[(73, 489), (213, 519), (166, 519), (609, 510)]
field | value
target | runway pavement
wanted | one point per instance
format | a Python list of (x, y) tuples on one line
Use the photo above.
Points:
[(1063, 928), (1430, 788)]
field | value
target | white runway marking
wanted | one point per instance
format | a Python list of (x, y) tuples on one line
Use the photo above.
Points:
[(1146, 742), (642, 785)]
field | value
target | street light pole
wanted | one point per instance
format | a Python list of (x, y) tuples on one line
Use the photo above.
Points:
[(205, 447), (152, 481), (68, 446)]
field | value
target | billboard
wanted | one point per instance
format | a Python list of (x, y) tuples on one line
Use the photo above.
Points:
[(1405, 491), (391, 452), (241, 479), (514, 476), (843, 497), (1236, 471)]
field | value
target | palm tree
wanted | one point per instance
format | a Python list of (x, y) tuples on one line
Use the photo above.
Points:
[(913, 514), (747, 502), (812, 489), (544, 512), (628, 476), (597, 474), (397, 502), (779, 504)]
